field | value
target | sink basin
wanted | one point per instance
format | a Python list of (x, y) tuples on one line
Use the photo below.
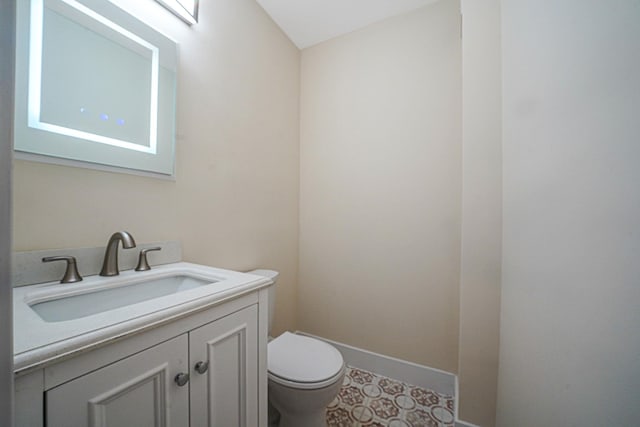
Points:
[(64, 307)]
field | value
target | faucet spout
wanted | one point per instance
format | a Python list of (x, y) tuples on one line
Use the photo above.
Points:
[(110, 263)]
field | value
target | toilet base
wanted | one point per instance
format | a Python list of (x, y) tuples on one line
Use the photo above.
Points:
[(303, 407), (317, 419), (274, 416)]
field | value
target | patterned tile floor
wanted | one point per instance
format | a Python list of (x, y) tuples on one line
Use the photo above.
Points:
[(371, 400)]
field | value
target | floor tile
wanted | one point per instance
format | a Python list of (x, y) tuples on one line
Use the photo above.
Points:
[(371, 400)]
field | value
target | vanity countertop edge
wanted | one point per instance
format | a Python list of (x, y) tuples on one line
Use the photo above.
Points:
[(38, 344)]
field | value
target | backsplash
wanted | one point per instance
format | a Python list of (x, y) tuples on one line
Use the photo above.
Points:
[(28, 268)]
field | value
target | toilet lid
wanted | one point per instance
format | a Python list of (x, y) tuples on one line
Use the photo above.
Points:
[(303, 359)]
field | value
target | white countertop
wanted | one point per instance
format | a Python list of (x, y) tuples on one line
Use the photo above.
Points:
[(37, 342)]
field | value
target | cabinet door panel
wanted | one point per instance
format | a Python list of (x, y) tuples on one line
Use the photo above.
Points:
[(226, 395), (137, 391)]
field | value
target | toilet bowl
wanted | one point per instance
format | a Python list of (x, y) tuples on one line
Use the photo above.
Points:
[(305, 374)]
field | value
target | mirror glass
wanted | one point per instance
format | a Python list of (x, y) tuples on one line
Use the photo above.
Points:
[(94, 85)]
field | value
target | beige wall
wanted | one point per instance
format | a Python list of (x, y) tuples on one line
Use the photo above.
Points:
[(481, 211), (570, 339), (380, 187), (234, 203), (7, 45)]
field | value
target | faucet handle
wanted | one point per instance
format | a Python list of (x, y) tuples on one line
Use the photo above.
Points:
[(71, 274), (143, 265)]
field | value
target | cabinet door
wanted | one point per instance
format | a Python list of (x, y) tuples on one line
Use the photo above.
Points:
[(226, 394), (137, 391)]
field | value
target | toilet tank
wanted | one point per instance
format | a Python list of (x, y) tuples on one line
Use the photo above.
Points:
[(273, 275)]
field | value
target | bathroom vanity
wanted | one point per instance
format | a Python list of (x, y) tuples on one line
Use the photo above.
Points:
[(180, 345)]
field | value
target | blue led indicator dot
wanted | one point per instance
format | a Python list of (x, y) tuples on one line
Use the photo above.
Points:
[(120, 122), (83, 110), (104, 117)]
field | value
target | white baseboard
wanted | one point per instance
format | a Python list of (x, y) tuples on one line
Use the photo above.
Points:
[(422, 376)]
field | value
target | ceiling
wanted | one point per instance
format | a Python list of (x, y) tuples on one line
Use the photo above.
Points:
[(308, 22)]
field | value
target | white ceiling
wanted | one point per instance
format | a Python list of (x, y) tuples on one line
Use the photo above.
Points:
[(308, 22)]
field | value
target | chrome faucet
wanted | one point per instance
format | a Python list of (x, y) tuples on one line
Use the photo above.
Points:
[(110, 263)]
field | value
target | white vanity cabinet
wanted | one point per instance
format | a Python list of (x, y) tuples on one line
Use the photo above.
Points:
[(133, 381), (136, 391), (225, 394)]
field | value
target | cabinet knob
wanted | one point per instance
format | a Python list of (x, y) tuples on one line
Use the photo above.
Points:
[(201, 367), (181, 379)]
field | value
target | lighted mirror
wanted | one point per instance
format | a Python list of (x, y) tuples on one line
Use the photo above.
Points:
[(94, 85)]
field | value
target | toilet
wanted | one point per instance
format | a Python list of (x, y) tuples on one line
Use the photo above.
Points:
[(305, 374)]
